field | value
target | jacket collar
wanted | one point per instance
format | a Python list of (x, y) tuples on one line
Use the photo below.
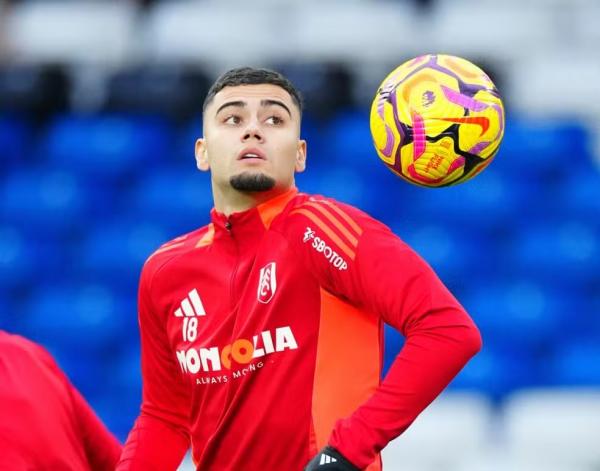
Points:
[(258, 218)]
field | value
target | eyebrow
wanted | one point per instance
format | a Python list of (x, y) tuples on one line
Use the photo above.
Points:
[(237, 104), (264, 103), (276, 103)]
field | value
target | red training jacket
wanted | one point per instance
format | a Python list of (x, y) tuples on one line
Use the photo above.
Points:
[(262, 340), (45, 424)]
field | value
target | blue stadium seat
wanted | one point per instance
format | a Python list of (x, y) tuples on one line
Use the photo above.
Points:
[(177, 197), (393, 344), (490, 200), (561, 252), (535, 148), (52, 201), (326, 87), (126, 366), (592, 309), (37, 91), (117, 411), (114, 253), (6, 311), (109, 146), (78, 324), (583, 305), (497, 372), (183, 151), (118, 401), (86, 318), (123, 407), (313, 133), (172, 90), (27, 258), (519, 313), (578, 194), (17, 262), (15, 139), (81, 326), (339, 182), (83, 368), (450, 251), (576, 362), (348, 141)]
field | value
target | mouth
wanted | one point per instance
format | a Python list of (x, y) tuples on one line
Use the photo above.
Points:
[(251, 154)]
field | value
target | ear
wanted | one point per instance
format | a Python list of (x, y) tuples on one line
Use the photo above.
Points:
[(202, 155), (300, 156)]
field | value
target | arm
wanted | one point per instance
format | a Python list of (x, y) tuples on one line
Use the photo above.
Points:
[(160, 437), (101, 447), (385, 277), (440, 338)]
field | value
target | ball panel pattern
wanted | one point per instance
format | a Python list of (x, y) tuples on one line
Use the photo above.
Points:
[(437, 120)]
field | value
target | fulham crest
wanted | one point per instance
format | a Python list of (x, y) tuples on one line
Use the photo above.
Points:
[(267, 283)]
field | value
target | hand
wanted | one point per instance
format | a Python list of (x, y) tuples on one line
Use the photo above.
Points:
[(329, 459)]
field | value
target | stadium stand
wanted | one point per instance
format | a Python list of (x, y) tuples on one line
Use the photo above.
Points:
[(99, 108)]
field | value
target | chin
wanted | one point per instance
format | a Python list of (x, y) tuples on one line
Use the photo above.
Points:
[(252, 181)]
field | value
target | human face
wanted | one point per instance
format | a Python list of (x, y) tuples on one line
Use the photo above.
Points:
[(251, 130)]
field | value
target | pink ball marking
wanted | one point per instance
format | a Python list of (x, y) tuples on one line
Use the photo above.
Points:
[(389, 143), (463, 100), (477, 148), (418, 135), (458, 163)]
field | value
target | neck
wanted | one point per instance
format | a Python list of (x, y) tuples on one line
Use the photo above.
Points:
[(234, 201)]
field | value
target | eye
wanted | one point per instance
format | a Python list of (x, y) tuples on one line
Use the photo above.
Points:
[(276, 120), (232, 119)]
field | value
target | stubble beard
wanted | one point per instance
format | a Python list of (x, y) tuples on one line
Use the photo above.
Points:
[(252, 182)]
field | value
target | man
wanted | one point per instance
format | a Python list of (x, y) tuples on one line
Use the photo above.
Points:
[(45, 424), (262, 331)]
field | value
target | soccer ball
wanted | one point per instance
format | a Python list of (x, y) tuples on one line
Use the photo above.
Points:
[(437, 120)]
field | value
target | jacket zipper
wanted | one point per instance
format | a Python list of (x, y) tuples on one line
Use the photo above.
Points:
[(235, 268)]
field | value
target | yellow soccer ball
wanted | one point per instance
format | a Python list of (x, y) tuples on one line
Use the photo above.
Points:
[(437, 120)]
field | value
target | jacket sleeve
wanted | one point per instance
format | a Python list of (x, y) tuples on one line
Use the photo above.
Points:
[(160, 436), (373, 269), (102, 449)]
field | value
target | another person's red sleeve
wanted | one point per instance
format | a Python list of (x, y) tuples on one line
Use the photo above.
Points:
[(160, 436), (101, 447)]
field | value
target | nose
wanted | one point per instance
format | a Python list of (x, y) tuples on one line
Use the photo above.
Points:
[(252, 131)]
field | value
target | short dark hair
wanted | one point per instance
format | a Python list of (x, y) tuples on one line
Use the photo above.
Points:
[(252, 76)]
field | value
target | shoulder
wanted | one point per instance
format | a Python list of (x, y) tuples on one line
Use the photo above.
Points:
[(176, 248), (342, 223), (307, 207), (16, 343), (14, 346)]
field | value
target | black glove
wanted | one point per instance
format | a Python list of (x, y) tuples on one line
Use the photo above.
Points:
[(329, 459)]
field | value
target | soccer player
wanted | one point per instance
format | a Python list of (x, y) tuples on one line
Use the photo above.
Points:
[(45, 424), (262, 331)]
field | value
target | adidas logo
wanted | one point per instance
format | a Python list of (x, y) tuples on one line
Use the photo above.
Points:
[(326, 459), (191, 306)]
